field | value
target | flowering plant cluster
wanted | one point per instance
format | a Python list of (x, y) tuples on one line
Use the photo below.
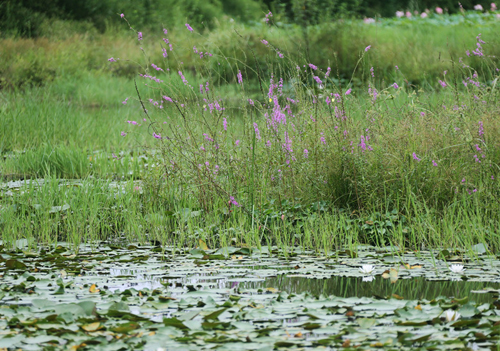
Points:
[(303, 134)]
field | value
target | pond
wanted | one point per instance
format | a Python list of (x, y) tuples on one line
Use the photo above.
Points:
[(155, 298)]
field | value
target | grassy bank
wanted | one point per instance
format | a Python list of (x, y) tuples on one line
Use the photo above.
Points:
[(272, 149)]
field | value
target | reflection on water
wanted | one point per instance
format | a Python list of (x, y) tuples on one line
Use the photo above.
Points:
[(409, 289)]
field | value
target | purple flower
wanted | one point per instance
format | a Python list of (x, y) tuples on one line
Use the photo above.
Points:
[(434, 163), (224, 123), (306, 153), (124, 101), (139, 35), (189, 27), (122, 15), (156, 136), (111, 59), (313, 66), (167, 98), (240, 78), (368, 48), (415, 157), (264, 42), (395, 86), (233, 202), (123, 134), (443, 84), (316, 78), (237, 143), (328, 70), (481, 128), (257, 133), (348, 91)]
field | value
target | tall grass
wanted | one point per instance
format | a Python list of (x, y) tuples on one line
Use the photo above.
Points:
[(261, 143), (306, 139)]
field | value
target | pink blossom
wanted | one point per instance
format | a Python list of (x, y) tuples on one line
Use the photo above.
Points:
[(493, 6), (399, 14), (368, 48), (478, 7), (408, 14), (369, 20), (122, 15), (423, 15), (439, 10), (189, 27)]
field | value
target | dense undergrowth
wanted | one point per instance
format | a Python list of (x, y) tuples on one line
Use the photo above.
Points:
[(255, 138)]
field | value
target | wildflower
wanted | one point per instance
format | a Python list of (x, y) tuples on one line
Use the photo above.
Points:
[(478, 7), (423, 15), (348, 91), (493, 6), (250, 101), (189, 27), (443, 84), (263, 41), (111, 59), (267, 17), (399, 14), (139, 35), (224, 123), (457, 268), (167, 98), (257, 133), (306, 153), (369, 20), (415, 157), (233, 202), (237, 143), (240, 78), (372, 70), (156, 136), (439, 10), (395, 86), (122, 15), (125, 101), (123, 134), (316, 78), (451, 315), (481, 128), (434, 163), (313, 66), (408, 14), (367, 269), (368, 48)]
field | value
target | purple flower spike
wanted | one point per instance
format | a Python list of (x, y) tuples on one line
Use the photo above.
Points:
[(189, 27)]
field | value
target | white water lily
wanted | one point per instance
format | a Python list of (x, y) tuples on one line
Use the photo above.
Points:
[(451, 315), (457, 268), (367, 269), (370, 278)]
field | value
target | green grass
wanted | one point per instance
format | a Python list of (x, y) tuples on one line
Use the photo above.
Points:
[(416, 182)]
